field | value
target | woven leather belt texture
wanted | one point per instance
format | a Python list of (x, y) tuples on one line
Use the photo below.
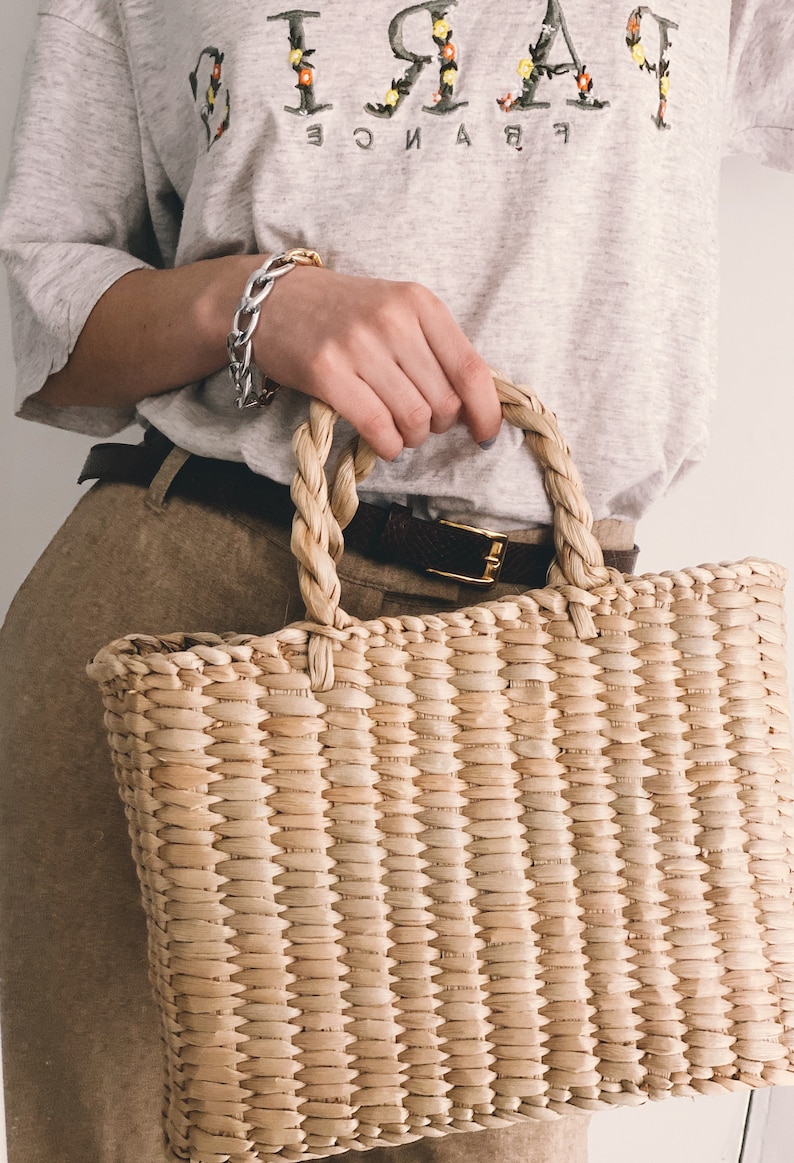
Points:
[(471, 556)]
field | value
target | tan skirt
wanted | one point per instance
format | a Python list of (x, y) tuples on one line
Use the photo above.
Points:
[(79, 1027)]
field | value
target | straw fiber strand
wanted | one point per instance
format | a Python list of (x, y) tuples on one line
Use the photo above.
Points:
[(451, 872)]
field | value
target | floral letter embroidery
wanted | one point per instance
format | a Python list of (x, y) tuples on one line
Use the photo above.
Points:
[(299, 60), (534, 66), (637, 50), (214, 113), (443, 98)]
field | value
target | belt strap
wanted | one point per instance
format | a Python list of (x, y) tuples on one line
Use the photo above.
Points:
[(469, 555)]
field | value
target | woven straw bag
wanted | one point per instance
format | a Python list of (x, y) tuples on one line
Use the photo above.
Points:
[(430, 874)]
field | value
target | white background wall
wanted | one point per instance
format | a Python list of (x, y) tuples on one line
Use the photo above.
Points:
[(738, 503)]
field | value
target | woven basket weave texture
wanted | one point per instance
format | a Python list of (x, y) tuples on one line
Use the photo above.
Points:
[(422, 875)]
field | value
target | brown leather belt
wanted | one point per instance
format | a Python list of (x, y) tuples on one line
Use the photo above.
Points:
[(466, 554)]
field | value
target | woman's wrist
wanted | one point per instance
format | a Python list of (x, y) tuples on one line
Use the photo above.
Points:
[(218, 298), (252, 386)]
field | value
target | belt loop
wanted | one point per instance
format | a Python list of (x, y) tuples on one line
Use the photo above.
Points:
[(164, 478)]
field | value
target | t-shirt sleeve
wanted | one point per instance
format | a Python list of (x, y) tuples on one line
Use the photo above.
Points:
[(760, 86), (74, 217)]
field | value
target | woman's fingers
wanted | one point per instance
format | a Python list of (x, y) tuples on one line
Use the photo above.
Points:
[(439, 361), (413, 386), (466, 371), (356, 402), (394, 417), (388, 356)]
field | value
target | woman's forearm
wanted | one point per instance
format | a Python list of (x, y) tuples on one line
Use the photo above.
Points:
[(388, 356), (153, 330)]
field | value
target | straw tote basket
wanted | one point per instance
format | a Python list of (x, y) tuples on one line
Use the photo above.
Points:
[(430, 874)]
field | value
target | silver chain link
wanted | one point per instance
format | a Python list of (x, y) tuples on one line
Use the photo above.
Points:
[(239, 342)]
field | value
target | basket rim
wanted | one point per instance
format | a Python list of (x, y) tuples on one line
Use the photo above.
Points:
[(201, 649)]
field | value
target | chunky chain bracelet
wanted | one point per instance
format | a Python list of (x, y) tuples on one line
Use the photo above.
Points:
[(246, 318)]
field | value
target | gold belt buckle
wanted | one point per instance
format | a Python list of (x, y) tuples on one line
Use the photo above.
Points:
[(493, 560)]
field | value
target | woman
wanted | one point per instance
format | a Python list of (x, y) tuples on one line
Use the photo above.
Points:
[(533, 189)]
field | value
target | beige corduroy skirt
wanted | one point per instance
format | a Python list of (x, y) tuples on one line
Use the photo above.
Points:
[(79, 1026)]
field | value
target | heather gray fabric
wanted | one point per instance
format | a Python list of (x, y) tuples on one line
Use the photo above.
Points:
[(553, 178), (80, 1038)]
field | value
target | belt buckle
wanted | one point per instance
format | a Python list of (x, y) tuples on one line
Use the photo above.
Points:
[(493, 560)]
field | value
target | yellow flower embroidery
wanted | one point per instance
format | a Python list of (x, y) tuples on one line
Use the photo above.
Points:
[(392, 97), (665, 86), (526, 67), (296, 56), (638, 52), (448, 76), (441, 30)]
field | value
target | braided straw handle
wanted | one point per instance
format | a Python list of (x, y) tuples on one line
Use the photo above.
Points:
[(321, 515)]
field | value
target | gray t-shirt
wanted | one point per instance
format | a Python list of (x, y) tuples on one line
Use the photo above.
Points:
[(549, 169)]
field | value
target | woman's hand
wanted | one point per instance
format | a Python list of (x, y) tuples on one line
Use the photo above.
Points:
[(388, 356)]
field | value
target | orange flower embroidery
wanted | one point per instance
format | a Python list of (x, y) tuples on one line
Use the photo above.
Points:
[(633, 26), (449, 52), (305, 77), (584, 82)]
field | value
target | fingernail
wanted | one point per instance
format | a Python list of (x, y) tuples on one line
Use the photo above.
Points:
[(399, 458), (486, 444)]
